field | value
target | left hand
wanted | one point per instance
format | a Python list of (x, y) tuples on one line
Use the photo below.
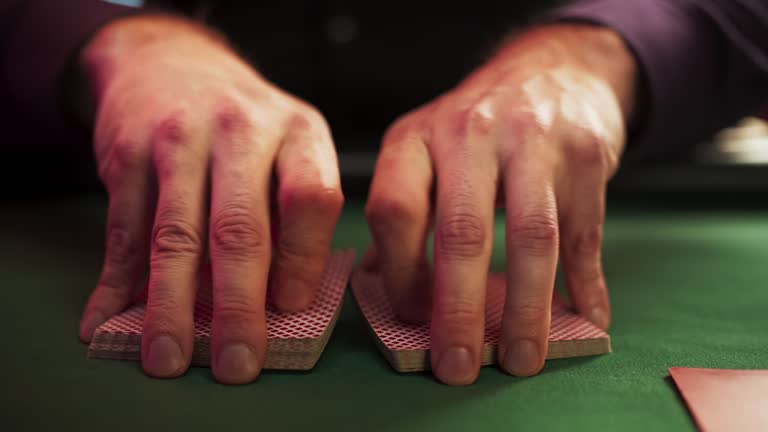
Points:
[(204, 160)]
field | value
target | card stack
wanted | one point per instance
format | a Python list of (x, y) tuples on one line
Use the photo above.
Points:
[(295, 341), (406, 346)]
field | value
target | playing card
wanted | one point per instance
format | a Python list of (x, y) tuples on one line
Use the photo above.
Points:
[(406, 346), (294, 340), (725, 399)]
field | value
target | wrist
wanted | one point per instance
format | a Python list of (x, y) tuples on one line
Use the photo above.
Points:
[(596, 50), (605, 54), (119, 45)]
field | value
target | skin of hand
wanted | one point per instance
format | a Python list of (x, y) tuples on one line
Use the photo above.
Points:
[(205, 162), (539, 129)]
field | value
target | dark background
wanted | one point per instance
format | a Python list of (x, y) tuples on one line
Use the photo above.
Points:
[(363, 64)]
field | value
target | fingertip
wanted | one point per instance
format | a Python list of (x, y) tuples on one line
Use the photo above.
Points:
[(88, 325), (455, 366), (289, 303), (236, 363), (290, 294), (591, 301), (522, 358), (164, 358), (599, 316)]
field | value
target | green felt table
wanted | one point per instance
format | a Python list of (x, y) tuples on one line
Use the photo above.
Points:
[(688, 288)]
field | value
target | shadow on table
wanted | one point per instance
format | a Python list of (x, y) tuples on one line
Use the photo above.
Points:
[(673, 388)]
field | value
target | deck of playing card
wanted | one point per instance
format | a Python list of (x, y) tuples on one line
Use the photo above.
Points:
[(406, 346), (295, 341)]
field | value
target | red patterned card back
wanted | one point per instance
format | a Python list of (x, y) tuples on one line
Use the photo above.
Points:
[(119, 337), (397, 336)]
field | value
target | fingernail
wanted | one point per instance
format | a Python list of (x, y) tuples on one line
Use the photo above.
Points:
[(164, 358), (455, 366), (91, 322), (237, 363), (598, 317), (522, 358)]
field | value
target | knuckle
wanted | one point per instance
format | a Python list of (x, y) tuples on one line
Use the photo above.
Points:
[(170, 140), (162, 308), (462, 235), (386, 209), (525, 129), (525, 122), (311, 195), (121, 247), (537, 234), (113, 287), (588, 241), (127, 158), (475, 119), (586, 148), (238, 133), (460, 313), (331, 199), (234, 308), (588, 282), (236, 231), (295, 259), (171, 130), (527, 315), (173, 238), (229, 117), (306, 120), (162, 302), (159, 322), (399, 131)]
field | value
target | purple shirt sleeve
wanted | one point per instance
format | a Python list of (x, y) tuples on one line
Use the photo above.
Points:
[(38, 40), (703, 64)]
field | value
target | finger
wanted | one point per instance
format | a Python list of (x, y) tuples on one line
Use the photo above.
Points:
[(240, 244), (398, 217), (176, 249), (582, 216), (310, 201), (129, 219), (370, 260), (532, 245), (466, 185)]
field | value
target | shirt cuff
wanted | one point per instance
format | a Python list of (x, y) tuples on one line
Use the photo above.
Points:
[(45, 37), (677, 49)]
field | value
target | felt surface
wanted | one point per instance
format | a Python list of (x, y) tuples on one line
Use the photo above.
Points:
[(688, 289)]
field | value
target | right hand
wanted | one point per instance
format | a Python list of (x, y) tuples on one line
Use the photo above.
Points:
[(187, 139), (539, 129)]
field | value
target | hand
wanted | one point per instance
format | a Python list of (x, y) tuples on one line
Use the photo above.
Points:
[(539, 129), (186, 138)]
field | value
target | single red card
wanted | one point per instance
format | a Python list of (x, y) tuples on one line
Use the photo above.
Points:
[(725, 399)]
